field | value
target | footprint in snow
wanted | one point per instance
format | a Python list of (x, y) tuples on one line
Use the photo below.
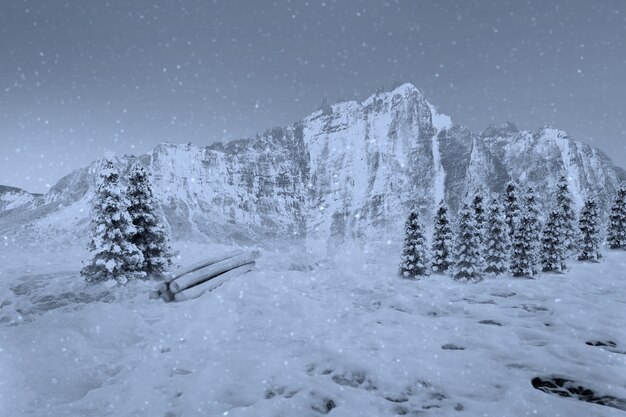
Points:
[(563, 387), (490, 322)]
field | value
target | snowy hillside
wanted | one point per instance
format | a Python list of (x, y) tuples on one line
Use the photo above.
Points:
[(342, 339), (349, 171), (12, 198)]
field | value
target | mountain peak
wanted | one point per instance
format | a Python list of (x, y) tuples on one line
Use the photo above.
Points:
[(506, 129), (405, 89)]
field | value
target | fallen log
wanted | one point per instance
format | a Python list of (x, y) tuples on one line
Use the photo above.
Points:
[(190, 279), (201, 264), (211, 284)]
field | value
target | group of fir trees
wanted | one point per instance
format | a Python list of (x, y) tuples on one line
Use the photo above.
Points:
[(509, 236), (128, 241)]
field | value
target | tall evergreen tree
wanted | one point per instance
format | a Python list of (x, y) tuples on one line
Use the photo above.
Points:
[(414, 259), (526, 239), (565, 204), (479, 214), (150, 236), (442, 240), (616, 233), (512, 210), (553, 244), (114, 256), (496, 242), (467, 248), (589, 226)]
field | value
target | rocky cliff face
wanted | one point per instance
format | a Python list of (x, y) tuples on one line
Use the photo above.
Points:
[(348, 171)]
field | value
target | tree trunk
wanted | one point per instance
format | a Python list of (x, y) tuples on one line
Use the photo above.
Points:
[(215, 268), (212, 283), (202, 264)]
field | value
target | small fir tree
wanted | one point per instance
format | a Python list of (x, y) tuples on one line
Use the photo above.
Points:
[(589, 232), (616, 232), (532, 208), (479, 214), (512, 210), (442, 240), (553, 244), (526, 239), (496, 243), (150, 235), (414, 259), (467, 248), (565, 204), (114, 256)]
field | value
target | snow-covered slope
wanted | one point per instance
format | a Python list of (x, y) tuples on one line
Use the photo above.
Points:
[(345, 339), (348, 171), (12, 198)]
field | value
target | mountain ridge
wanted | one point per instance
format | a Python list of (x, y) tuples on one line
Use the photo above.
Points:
[(350, 170)]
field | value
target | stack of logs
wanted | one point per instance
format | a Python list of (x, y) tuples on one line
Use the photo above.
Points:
[(194, 280)]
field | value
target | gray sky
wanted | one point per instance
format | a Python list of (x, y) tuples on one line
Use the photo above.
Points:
[(81, 77)]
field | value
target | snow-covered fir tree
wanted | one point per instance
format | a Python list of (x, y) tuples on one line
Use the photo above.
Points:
[(496, 240), (442, 240), (478, 210), (467, 256), (553, 251), (150, 235), (114, 256), (414, 259), (525, 244), (616, 232), (589, 243), (512, 210), (565, 204)]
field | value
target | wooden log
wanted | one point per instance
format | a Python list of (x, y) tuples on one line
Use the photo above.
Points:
[(211, 284), (201, 264), (201, 275)]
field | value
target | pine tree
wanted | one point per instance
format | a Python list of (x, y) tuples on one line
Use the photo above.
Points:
[(568, 220), (512, 210), (616, 233), (553, 244), (589, 232), (496, 242), (442, 240), (526, 239), (150, 236), (114, 256), (414, 259), (479, 214), (467, 248)]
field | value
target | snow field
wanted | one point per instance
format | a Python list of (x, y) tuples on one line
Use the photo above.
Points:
[(342, 337)]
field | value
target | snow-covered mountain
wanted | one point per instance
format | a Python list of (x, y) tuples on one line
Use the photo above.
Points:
[(12, 198), (350, 170)]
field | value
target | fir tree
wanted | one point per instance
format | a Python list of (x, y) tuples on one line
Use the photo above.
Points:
[(526, 239), (150, 236), (616, 233), (414, 259), (114, 256), (442, 240), (589, 232), (467, 248), (496, 242), (479, 214), (553, 244), (568, 220), (512, 210)]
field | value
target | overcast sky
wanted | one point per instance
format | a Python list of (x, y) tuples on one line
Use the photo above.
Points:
[(78, 77)]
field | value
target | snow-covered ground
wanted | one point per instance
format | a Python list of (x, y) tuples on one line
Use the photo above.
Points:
[(303, 338)]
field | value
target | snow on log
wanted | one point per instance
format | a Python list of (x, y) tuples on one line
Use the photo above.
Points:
[(203, 274), (211, 284), (201, 264)]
